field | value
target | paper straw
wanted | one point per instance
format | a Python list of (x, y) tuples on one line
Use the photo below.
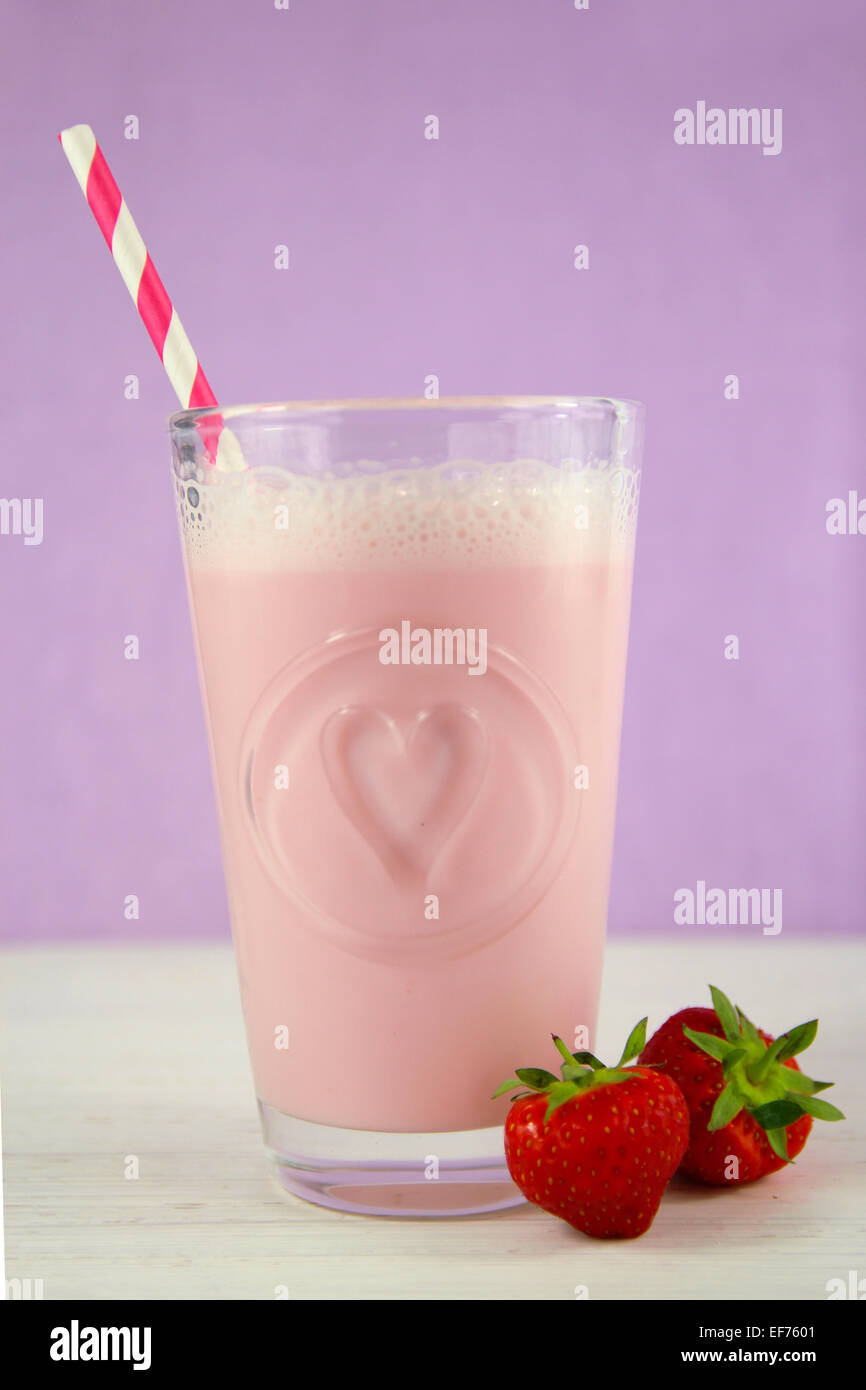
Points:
[(131, 257), (157, 312)]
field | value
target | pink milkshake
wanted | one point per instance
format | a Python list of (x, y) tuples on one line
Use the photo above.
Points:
[(413, 679)]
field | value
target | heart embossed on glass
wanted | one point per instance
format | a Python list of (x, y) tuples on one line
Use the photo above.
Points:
[(405, 786), (408, 811)]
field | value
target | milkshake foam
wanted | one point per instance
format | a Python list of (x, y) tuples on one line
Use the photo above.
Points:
[(460, 512)]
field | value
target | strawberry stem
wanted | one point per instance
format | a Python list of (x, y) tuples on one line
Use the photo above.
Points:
[(562, 1049)]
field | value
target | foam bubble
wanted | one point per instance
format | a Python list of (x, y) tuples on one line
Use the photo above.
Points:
[(460, 512)]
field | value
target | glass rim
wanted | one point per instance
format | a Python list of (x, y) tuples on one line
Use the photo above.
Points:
[(621, 407)]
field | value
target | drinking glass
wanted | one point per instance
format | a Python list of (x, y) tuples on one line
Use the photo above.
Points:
[(411, 621)]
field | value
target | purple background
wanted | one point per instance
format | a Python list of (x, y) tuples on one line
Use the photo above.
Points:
[(454, 257)]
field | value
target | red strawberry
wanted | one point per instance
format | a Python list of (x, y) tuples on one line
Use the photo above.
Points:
[(748, 1100), (598, 1147)]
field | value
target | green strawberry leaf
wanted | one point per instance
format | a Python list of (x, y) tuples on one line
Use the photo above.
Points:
[(820, 1109), (508, 1085), (559, 1093), (589, 1060), (708, 1042), (574, 1072), (728, 1104), (796, 1040), (796, 1081), (748, 1027), (777, 1114), (535, 1077), (778, 1141), (635, 1043), (726, 1014), (729, 1062)]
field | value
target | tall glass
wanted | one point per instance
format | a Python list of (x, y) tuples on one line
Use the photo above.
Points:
[(411, 621)]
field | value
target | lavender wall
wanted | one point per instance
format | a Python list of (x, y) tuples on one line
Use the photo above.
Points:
[(412, 256)]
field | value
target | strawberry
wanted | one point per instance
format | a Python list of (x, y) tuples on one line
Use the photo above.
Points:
[(748, 1100), (599, 1146)]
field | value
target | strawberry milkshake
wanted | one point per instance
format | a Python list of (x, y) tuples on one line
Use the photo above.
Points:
[(412, 663)]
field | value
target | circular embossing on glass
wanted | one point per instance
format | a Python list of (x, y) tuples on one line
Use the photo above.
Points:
[(424, 810)]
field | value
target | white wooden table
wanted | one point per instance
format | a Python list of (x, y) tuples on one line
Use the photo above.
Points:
[(117, 1053)]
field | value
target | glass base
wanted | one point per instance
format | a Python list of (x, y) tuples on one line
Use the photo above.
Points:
[(460, 1173)]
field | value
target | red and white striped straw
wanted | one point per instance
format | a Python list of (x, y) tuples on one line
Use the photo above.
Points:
[(139, 273)]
